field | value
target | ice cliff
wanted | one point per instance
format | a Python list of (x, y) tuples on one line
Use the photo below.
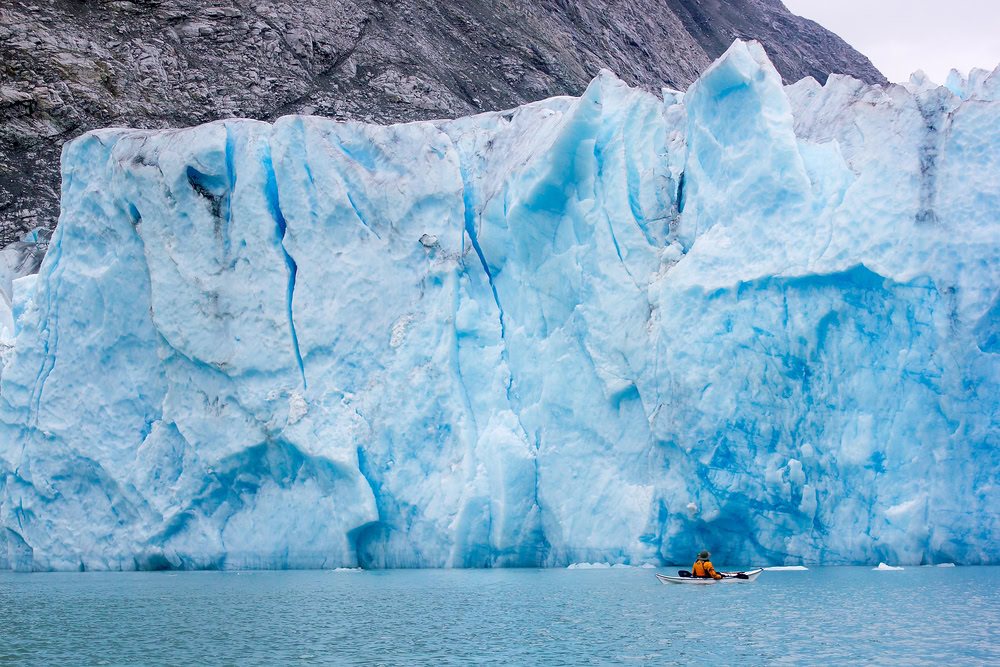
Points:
[(758, 319)]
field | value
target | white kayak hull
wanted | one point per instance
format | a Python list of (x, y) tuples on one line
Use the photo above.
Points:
[(727, 578)]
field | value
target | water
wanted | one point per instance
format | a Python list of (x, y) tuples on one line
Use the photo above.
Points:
[(456, 617)]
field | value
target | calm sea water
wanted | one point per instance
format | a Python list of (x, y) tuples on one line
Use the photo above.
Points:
[(919, 615)]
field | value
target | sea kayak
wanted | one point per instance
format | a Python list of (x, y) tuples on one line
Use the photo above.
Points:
[(727, 578)]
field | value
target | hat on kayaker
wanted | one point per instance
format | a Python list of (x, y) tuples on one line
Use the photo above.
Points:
[(704, 554)]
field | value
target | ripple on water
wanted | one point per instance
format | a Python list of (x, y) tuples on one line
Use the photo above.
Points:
[(597, 616)]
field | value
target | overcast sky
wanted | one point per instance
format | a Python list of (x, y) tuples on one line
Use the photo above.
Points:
[(901, 36)]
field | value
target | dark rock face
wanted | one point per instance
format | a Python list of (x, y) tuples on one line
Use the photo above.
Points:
[(68, 66)]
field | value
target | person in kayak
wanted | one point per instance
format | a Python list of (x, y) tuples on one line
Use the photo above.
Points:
[(703, 567)]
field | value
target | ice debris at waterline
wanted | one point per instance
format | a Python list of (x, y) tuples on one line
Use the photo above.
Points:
[(882, 567), (759, 320), (606, 566)]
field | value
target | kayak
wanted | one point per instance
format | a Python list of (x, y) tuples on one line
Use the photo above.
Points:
[(727, 578)]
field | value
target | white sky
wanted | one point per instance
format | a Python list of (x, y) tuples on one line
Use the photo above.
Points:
[(902, 36)]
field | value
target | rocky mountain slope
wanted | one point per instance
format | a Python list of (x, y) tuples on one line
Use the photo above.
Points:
[(68, 66)]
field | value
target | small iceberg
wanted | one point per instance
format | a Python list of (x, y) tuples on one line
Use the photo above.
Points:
[(882, 567), (945, 565), (787, 568), (346, 569)]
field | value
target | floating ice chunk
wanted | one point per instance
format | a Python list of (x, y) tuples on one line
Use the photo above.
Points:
[(945, 565), (882, 567)]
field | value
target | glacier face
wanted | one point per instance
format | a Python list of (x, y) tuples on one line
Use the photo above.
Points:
[(758, 319)]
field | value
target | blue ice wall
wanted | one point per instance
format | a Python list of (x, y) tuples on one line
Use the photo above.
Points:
[(757, 319)]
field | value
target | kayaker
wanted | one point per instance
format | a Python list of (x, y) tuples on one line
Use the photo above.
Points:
[(703, 567)]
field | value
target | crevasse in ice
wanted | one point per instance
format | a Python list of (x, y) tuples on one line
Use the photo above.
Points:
[(616, 328)]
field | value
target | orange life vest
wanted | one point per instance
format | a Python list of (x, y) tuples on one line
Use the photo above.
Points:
[(703, 568)]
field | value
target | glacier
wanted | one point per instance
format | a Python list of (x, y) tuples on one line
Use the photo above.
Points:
[(619, 328)]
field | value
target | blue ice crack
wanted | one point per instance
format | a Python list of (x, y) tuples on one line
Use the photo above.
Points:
[(470, 228), (357, 212), (271, 192)]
